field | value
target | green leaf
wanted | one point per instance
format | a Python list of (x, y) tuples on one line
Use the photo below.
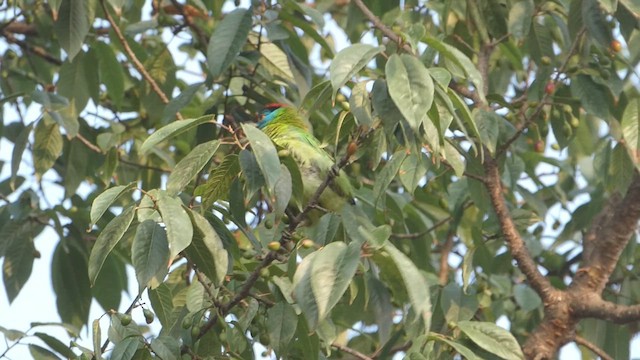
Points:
[(166, 347), (73, 82), (162, 303), (190, 166), (219, 183), (526, 298), (348, 62), (207, 250), (110, 71), (456, 305), (460, 59), (360, 104), (631, 129), (149, 253), (591, 94), (488, 124), (107, 240), (596, 22), (282, 192), (74, 22), (454, 159), (173, 129), (103, 201), (412, 171), (125, 349), (540, 41), (40, 353), (388, 173), (71, 282), (176, 222), (282, 322), (276, 62), (47, 146), (56, 345), (492, 338), (316, 97), (18, 260), (331, 272), (520, 17), (227, 40), (411, 88), (414, 282), (19, 146), (461, 349), (97, 339), (180, 101), (265, 153), (303, 292)]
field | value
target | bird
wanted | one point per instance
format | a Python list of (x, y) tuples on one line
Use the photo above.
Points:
[(285, 126)]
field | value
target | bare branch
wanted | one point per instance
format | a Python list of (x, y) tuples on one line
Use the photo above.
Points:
[(513, 239), (593, 306), (591, 346), (357, 354), (134, 59), (32, 49), (381, 26)]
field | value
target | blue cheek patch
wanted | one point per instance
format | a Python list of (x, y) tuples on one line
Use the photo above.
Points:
[(268, 118)]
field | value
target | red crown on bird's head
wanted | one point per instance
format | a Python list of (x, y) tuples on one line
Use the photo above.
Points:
[(274, 106)]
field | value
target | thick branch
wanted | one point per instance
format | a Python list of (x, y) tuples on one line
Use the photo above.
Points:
[(513, 239), (593, 306), (134, 59), (608, 237)]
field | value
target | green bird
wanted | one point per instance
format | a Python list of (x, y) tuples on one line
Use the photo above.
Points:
[(285, 127)]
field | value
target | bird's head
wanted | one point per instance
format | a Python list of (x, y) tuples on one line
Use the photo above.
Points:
[(270, 113)]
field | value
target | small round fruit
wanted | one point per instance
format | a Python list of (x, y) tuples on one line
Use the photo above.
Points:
[(555, 146), (149, 316), (125, 319), (575, 122), (351, 149), (268, 224), (307, 243), (615, 46), (265, 273), (187, 322), (195, 331), (283, 153), (274, 246), (550, 88), (545, 60), (539, 146)]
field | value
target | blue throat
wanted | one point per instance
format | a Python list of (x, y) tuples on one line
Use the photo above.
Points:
[(270, 116)]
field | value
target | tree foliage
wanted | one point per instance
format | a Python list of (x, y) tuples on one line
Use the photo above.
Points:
[(493, 145)]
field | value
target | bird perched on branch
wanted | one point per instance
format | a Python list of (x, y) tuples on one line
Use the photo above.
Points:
[(285, 127)]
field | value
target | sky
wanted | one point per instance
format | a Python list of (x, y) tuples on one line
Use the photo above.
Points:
[(36, 301)]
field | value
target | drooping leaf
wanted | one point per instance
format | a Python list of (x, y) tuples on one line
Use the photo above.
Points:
[(74, 22), (149, 252), (176, 222), (492, 338), (187, 168), (207, 250), (227, 39), (281, 325), (488, 124), (103, 201), (107, 240), (219, 181), (348, 62), (265, 153), (411, 88), (520, 17), (47, 146), (173, 129)]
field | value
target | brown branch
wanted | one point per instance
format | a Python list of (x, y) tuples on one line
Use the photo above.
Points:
[(88, 143), (202, 38), (514, 241), (593, 306), (32, 49), (134, 59), (611, 234), (443, 274), (466, 92), (381, 26), (591, 346), (350, 351)]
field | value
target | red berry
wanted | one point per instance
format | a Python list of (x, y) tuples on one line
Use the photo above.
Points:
[(615, 46), (539, 146), (550, 88)]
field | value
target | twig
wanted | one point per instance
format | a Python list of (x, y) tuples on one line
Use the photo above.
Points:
[(202, 38), (33, 49), (591, 346), (351, 351), (128, 311), (381, 26), (443, 274), (138, 65), (142, 166), (432, 228), (88, 143)]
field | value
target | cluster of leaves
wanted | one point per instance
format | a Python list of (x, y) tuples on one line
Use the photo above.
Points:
[(203, 207)]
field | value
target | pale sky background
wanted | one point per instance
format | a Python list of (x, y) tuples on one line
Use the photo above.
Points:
[(36, 301)]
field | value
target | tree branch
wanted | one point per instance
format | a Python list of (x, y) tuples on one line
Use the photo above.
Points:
[(32, 49), (608, 237), (591, 305), (591, 346), (513, 239), (381, 26), (351, 351), (134, 59)]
